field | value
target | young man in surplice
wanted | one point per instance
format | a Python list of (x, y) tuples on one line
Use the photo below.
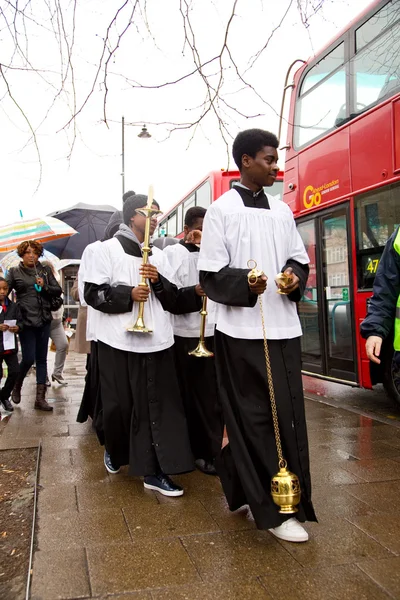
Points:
[(246, 223), (196, 376), (143, 421)]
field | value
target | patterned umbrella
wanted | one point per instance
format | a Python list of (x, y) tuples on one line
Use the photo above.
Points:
[(42, 229), (12, 260)]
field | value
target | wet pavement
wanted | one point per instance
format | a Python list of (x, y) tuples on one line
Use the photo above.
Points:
[(104, 536)]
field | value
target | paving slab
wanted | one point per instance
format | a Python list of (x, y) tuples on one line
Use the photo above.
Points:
[(335, 542), (60, 574), (344, 582), (386, 573), (139, 565), (215, 591), (162, 520), (238, 555), (82, 529)]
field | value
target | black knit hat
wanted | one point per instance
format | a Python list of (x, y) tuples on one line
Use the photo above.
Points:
[(132, 204)]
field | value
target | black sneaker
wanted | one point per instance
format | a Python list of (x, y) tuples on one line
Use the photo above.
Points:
[(163, 484), (108, 464), (7, 405), (205, 467)]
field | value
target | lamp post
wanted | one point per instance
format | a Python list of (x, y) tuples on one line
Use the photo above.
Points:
[(144, 135)]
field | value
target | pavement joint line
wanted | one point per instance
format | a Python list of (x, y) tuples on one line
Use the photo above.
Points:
[(76, 499), (371, 536), (127, 525), (353, 409), (385, 590), (190, 558), (87, 572), (35, 500), (212, 516)]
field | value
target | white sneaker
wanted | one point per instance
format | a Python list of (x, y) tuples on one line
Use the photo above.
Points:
[(290, 531)]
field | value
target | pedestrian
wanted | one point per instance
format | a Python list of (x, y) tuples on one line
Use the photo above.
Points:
[(383, 315), (247, 224), (82, 345), (142, 415), (37, 293), (10, 323), (57, 335), (196, 376)]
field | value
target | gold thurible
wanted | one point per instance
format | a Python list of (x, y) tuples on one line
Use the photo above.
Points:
[(148, 212), (283, 279), (201, 351), (285, 486)]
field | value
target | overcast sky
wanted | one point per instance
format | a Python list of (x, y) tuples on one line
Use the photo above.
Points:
[(173, 166)]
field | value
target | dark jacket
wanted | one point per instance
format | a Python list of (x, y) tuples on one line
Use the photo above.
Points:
[(12, 313), (35, 306), (382, 305)]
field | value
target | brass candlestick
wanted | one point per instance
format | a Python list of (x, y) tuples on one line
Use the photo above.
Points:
[(285, 486), (148, 212), (201, 351)]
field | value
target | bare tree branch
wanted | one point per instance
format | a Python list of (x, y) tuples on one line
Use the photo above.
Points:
[(220, 76)]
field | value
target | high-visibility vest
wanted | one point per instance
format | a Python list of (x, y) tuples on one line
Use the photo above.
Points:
[(396, 343)]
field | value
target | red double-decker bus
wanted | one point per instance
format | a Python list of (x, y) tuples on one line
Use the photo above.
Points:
[(209, 189), (342, 181)]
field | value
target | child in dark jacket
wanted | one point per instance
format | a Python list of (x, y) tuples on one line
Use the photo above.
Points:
[(9, 311)]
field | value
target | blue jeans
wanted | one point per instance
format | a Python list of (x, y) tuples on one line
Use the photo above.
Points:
[(34, 346)]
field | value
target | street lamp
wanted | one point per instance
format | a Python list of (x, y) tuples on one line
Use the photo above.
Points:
[(144, 135)]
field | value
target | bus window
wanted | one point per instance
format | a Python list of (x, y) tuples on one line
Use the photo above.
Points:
[(189, 202), (203, 195), (179, 224), (318, 110), (376, 69), (384, 18), (308, 306), (325, 66), (171, 225), (377, 217), (275, 190)]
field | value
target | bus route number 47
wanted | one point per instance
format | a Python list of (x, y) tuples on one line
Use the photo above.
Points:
[(372, 265)]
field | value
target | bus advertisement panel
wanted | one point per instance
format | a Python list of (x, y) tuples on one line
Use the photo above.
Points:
[(342, 181)]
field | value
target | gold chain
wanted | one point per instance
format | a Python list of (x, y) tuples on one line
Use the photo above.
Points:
[(282, 461), (252, 278)]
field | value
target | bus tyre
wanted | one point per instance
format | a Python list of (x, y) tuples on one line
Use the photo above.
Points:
[(389, 377)]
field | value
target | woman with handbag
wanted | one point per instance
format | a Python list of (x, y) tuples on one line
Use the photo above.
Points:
[(57, 334), (38, 293)]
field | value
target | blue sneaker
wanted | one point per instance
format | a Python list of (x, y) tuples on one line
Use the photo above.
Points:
[(108, 464), (163, 484)]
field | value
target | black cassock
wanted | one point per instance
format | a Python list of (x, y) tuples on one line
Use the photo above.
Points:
[(198, 385), (142, 418), (247, 464)]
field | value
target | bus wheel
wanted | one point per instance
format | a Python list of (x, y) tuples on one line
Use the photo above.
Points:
[(392, 390)]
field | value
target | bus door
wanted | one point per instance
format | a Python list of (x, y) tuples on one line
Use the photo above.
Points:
[(326, 309)]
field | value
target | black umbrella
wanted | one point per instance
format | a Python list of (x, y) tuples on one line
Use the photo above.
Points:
[(89, 220)]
